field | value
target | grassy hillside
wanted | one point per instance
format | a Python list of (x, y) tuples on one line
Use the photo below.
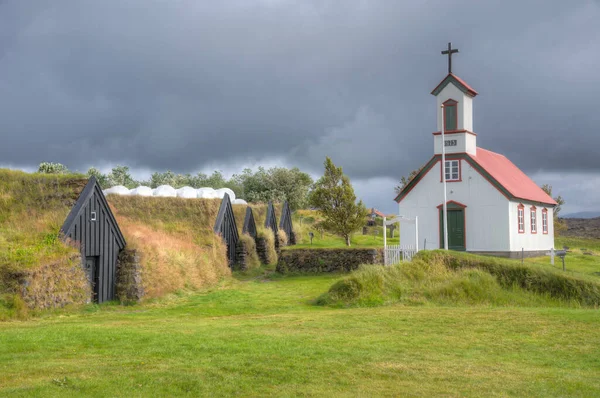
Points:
[(33, 207), (176, 241), (452, 277), (263, 337)]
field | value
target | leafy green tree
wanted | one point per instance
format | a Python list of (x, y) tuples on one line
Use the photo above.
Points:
[(276, 184), (102, 178), (404, 181), (52, 168), (334, 197), (120, 175)]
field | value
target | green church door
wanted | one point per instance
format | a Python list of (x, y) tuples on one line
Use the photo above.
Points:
[(456, 229)]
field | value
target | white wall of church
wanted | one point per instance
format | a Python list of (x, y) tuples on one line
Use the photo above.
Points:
[(526, 240), (465, 107), (486, 221)]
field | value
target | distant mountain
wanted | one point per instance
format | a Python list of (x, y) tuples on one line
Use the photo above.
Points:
[(583, 227), (582, 214)]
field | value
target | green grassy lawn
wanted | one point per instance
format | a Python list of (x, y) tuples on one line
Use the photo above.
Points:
[(262, 336), (575, 261)]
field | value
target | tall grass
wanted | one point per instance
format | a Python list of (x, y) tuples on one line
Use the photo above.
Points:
[(457, 278), (172, 261), (269, 240)]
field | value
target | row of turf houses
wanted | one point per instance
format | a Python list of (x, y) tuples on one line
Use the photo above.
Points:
[(93, 226), (225, 225)]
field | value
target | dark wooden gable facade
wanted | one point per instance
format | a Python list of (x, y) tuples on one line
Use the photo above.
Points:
[(93, 226), (271, 219), (285, 223), (226, 227), (249, 223)]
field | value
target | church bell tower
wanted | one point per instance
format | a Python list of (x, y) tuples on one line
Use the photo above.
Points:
[(454, 99)]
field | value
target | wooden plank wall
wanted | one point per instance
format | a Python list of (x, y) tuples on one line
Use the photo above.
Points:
[(98, 239)]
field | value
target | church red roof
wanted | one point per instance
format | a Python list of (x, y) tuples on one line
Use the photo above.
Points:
[(511, 177)]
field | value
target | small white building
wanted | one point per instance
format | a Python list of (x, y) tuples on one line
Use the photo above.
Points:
[(492, 206)]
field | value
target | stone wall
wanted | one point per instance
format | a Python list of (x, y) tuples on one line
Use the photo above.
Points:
[(326, 260), (129, 287)]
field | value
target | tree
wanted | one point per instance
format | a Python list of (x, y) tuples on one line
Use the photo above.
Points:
[(52, 168), (404, 181), (276, 184), (559, 226), (334, 197), (119, 175), (102, 178)]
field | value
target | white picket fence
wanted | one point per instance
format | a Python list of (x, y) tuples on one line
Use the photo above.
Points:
[(393, 254)]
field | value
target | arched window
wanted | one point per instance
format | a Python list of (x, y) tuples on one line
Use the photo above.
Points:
[(533, 218), (450, 115), (545, 221)]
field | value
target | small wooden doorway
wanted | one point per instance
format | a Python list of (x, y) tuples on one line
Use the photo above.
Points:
[(93, 274), (456, 226)]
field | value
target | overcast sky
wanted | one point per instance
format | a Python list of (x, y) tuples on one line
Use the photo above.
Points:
[(194, 85)]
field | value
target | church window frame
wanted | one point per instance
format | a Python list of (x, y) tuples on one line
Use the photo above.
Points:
[(545, 221), (450, 115), (521, 218), (533, 219), (453, 171)]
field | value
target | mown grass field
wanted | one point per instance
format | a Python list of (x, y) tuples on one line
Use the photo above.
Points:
[(257, 336)]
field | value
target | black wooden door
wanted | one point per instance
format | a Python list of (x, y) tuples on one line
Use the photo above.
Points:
[(93, 275)]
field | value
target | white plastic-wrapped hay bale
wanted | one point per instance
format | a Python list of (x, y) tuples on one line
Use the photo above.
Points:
[(206, 193), (141, 191), (222, 191), (240, 202), (186, 192), (117, 190), (165, 191)]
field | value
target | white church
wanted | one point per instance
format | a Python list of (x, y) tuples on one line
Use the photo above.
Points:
[(492, 206)]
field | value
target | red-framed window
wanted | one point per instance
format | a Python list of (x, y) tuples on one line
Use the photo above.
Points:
[(545, 221), (521, 218), (450, 115), (533, 218), (452, 170)]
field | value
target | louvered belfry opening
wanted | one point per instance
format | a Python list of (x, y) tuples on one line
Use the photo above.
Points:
[(93, 226), (225, 226)]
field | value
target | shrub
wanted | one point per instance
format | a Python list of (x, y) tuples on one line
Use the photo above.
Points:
[(251, 256), (267, 239), (282, 238)]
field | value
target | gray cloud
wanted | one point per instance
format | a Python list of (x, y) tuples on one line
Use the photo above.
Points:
[(186, 85)]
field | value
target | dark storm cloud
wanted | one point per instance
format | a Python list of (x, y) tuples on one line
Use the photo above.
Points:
[(180, 85)]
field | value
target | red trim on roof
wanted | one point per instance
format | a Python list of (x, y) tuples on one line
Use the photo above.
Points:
[(452, 202), (460, 81)]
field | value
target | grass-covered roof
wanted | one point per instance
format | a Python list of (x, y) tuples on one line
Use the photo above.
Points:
[(33, 207)]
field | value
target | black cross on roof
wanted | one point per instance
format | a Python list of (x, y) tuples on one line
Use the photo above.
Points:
[(449, 52)]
